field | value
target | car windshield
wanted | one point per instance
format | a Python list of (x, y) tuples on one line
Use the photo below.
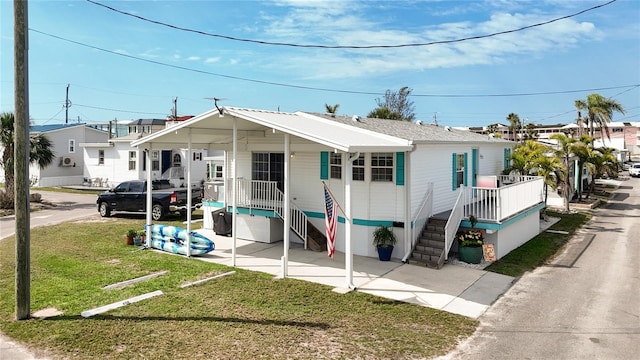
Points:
[(636, 166)]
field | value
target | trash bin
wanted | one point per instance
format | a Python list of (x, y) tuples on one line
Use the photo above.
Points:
[(222, 222)]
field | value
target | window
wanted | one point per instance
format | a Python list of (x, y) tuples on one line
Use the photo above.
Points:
[(197, 156), (72, 146), (217, 173), (358, 168), (617, 130), (268, 167), (132, 160), (177, 160), (335, 165), (460, 170), (155, 160), (381, 166)]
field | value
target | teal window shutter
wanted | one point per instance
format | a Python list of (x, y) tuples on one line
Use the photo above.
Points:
[(400, 168), (454, 184), (324, 165), (507, 155), (466, 171), (474, 169)]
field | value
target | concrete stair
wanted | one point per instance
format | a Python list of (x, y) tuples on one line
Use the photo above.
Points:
[(429, 250)]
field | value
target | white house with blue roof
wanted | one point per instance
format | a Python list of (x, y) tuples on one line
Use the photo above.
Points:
[(382, 172)]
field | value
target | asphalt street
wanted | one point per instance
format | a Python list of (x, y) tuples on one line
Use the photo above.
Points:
[(585, 305), (67, 207)]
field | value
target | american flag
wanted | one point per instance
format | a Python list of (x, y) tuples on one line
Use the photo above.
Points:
[(330, 219)]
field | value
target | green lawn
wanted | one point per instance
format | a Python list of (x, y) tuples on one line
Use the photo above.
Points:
[(247, 315), (539, 250)]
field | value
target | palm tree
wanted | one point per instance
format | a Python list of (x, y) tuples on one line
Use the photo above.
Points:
[(552, 171), (331, 109), (583, 152), (564, 152), (40, 152), (514, 124), (600, 110)]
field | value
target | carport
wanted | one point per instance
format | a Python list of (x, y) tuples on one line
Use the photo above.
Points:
[(229, 128)]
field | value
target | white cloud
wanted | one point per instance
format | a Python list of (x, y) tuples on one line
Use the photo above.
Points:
[(193, 58), (346, 24), (212, 60)]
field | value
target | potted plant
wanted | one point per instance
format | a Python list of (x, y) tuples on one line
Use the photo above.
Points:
[(128, 237), (384, 239), (470, 243), (139, 238)]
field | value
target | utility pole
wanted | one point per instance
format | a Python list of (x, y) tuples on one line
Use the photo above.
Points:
[(21, 160), (175, 109), (67, 104)]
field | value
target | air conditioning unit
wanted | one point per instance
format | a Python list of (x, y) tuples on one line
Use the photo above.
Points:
[(67, 161)]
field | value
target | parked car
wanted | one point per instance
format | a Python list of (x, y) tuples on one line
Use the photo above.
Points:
[(634, 170), (131, 196)]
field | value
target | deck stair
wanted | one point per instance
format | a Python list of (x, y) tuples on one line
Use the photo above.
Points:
[(429, 249)]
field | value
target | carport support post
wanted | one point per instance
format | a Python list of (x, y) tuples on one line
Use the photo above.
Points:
[(189, 193), (149, 200), (234, 193), (285, 206), (348, 253)]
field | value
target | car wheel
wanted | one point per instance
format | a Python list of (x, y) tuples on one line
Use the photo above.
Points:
[(157, 212), (104, 209)]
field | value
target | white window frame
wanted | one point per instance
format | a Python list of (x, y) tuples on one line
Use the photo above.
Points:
[(132, 160), (72, 146), (100, 157), (335, 165), (382, 165), (358, 169)]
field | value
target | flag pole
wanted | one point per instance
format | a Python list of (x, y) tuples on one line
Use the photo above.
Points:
[(335, 200)]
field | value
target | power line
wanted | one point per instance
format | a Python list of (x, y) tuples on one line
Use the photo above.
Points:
[(302, 87), (262, 42), (118, 110)]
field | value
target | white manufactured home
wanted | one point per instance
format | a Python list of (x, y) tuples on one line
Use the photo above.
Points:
[(382, 172), (113, 161), (67, 167)]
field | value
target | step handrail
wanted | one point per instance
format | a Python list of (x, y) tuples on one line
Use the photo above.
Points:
[(425, 211), (453, 222)]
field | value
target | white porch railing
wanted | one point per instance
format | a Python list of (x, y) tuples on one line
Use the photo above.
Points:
[(265, 195), (425, 211), (517, 193)]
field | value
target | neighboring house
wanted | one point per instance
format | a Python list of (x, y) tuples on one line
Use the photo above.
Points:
[(67, 167), (623, 137), (112, 161), (382, 172)]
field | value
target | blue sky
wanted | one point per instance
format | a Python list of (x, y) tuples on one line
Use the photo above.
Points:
[(594, 50)]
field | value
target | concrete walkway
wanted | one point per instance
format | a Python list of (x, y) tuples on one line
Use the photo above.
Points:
[(454, 288)]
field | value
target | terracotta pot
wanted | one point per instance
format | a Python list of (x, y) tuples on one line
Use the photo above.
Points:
[(128, 240)]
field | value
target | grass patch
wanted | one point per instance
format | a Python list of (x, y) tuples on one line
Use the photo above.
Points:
[(541, 248), (243, 316)]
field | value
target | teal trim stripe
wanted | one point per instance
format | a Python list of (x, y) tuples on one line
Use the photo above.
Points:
[(213, 203), (400, 168), (506, 223), (466, 169), (454, 184), (324, 165), (361, 222)]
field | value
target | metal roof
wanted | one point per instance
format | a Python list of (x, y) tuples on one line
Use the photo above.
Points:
[(52, 127), (213, 128)]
